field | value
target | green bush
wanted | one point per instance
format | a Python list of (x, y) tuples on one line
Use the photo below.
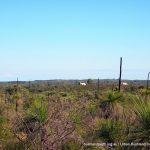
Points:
[(39, 110), (109, 130)]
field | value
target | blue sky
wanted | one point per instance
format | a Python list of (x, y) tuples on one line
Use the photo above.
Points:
[(66, 39)]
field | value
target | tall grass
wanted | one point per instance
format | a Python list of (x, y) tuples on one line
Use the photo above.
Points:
[(141, 130)]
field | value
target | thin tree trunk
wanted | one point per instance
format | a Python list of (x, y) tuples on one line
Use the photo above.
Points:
[(147, 81), (120, 74), (98, 84)]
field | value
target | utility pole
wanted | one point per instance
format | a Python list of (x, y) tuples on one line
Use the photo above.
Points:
[(29, 84), (147, 80), (17, 83), (98, 84), (120, 74)]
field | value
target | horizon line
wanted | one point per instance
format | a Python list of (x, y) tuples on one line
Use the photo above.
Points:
[(61, 79)]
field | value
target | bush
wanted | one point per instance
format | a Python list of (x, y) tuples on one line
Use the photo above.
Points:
[(109, 130)]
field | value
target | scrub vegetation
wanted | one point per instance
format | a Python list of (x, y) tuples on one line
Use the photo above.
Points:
[(69, 116)]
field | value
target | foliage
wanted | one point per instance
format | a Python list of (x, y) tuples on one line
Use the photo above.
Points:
[(109, 130), (39, 110), (141, 131), (71, 146), (65, 116)]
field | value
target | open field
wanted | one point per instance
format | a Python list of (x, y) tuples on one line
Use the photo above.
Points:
[(75, 75), (62, 115)]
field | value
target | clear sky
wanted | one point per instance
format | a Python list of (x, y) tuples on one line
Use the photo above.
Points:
[(74, 39)]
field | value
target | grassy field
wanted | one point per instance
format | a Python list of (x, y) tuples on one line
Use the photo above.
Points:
[(74, 117)]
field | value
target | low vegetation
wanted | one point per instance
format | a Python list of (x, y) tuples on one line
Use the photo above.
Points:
[(70, 117)]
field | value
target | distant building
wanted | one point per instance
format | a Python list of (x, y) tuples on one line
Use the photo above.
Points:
[(82, 83), (124, 83)]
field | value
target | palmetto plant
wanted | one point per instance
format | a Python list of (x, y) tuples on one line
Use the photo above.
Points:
[(39, 110), (109, 130), (111, 104), (141, 131)]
